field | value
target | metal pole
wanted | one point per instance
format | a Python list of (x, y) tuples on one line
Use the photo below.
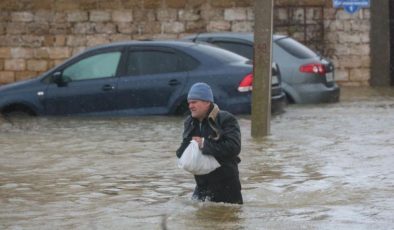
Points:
[(261, 95)]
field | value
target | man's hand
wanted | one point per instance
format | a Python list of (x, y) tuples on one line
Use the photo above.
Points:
[(199, 140)]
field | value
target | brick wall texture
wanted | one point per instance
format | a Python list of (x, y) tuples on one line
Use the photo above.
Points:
[(36, 35)]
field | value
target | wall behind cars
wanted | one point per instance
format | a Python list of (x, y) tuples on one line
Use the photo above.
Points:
[(36, 35)]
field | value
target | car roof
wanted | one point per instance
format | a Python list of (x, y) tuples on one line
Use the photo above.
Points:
[(246, 36), (168, 43)]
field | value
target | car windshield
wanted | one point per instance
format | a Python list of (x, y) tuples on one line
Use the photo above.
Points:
[(295, 48), (220, 54)]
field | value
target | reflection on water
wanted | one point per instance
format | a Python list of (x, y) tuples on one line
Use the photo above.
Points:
[(324, 166)]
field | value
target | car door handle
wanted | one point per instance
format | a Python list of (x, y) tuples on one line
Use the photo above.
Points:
[(108, 88), (174, 82)]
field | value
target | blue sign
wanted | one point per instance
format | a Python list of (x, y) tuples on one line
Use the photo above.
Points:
[(351, 6)]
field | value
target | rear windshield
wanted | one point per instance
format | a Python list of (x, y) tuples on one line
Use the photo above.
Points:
[(220, 54), (295, 48)]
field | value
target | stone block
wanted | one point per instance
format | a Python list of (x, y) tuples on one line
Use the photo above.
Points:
[(151, 4), (341, 75), (189, 15), (144, 15), (59, 52), (119, 37), (167, 14), (173, 27), (41, 53), (7, 77), (60, 40), (127, 28), (37, 65), (38, 28), (244, 3), (60, 28), (360, 49), (76, 40), (341, 49), (25, 75), (36, 5), (66, 5), (1, 64), (195, 26), (94, 40), (77, 50), (223, 3), (360, 25), (165, 36), (149, 28), (5, 52), (99, 16), (22, 16), (359, 74), (84, 28), (105, 28), (20, 52), (14, 64), (212, 14), (298, 14), (342, 15), (4, 16), (366, 14), (215, 26), (243, 26), (60, 17), (235, 14), (2, 28), (77, 16), (346, 37), (177, 4), (54, 40), (106, 5), (16, 28), (44, 16), (353, 61), (249, 13), (280, 14), (122, 16)]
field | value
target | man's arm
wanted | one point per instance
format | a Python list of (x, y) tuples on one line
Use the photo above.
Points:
[(185, 139), (229, 143)]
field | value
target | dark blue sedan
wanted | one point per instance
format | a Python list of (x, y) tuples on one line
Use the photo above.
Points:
[(137, 78)]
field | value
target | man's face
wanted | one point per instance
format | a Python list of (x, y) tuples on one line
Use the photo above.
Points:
[(199, 109)]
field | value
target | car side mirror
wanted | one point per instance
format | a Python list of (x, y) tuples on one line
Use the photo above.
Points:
[(58, 79)]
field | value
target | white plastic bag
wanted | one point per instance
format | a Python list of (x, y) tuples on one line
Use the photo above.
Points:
[(192, 160)]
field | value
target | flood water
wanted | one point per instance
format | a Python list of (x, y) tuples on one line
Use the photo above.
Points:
[(324, 166)]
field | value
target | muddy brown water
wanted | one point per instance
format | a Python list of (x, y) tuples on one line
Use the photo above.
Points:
[(326, 166)]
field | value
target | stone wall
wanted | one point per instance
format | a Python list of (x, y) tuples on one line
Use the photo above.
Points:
[(36, 35), (347, 43)]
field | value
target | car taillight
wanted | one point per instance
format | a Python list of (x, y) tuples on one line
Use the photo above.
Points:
[(246, 83), (313, 68)]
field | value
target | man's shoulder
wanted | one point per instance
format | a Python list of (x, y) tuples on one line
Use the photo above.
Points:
[(224, 116)]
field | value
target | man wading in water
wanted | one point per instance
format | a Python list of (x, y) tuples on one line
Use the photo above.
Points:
[(217, 134)]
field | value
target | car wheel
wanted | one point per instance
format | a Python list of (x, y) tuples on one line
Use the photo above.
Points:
[(17, 111), (288, 99)]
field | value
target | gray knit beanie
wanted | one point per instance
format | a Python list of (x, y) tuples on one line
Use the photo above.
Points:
[(200, 91)]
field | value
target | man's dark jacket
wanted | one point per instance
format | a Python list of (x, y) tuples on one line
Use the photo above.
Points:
[(222, 139)]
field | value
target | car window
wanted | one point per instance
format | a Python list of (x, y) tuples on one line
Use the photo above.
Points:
[(295, 48), (236, 47), (219, 54), (144, 62), (93, 67)]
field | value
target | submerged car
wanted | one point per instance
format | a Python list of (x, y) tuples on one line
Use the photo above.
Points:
[(137, 78), (306, 77)]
